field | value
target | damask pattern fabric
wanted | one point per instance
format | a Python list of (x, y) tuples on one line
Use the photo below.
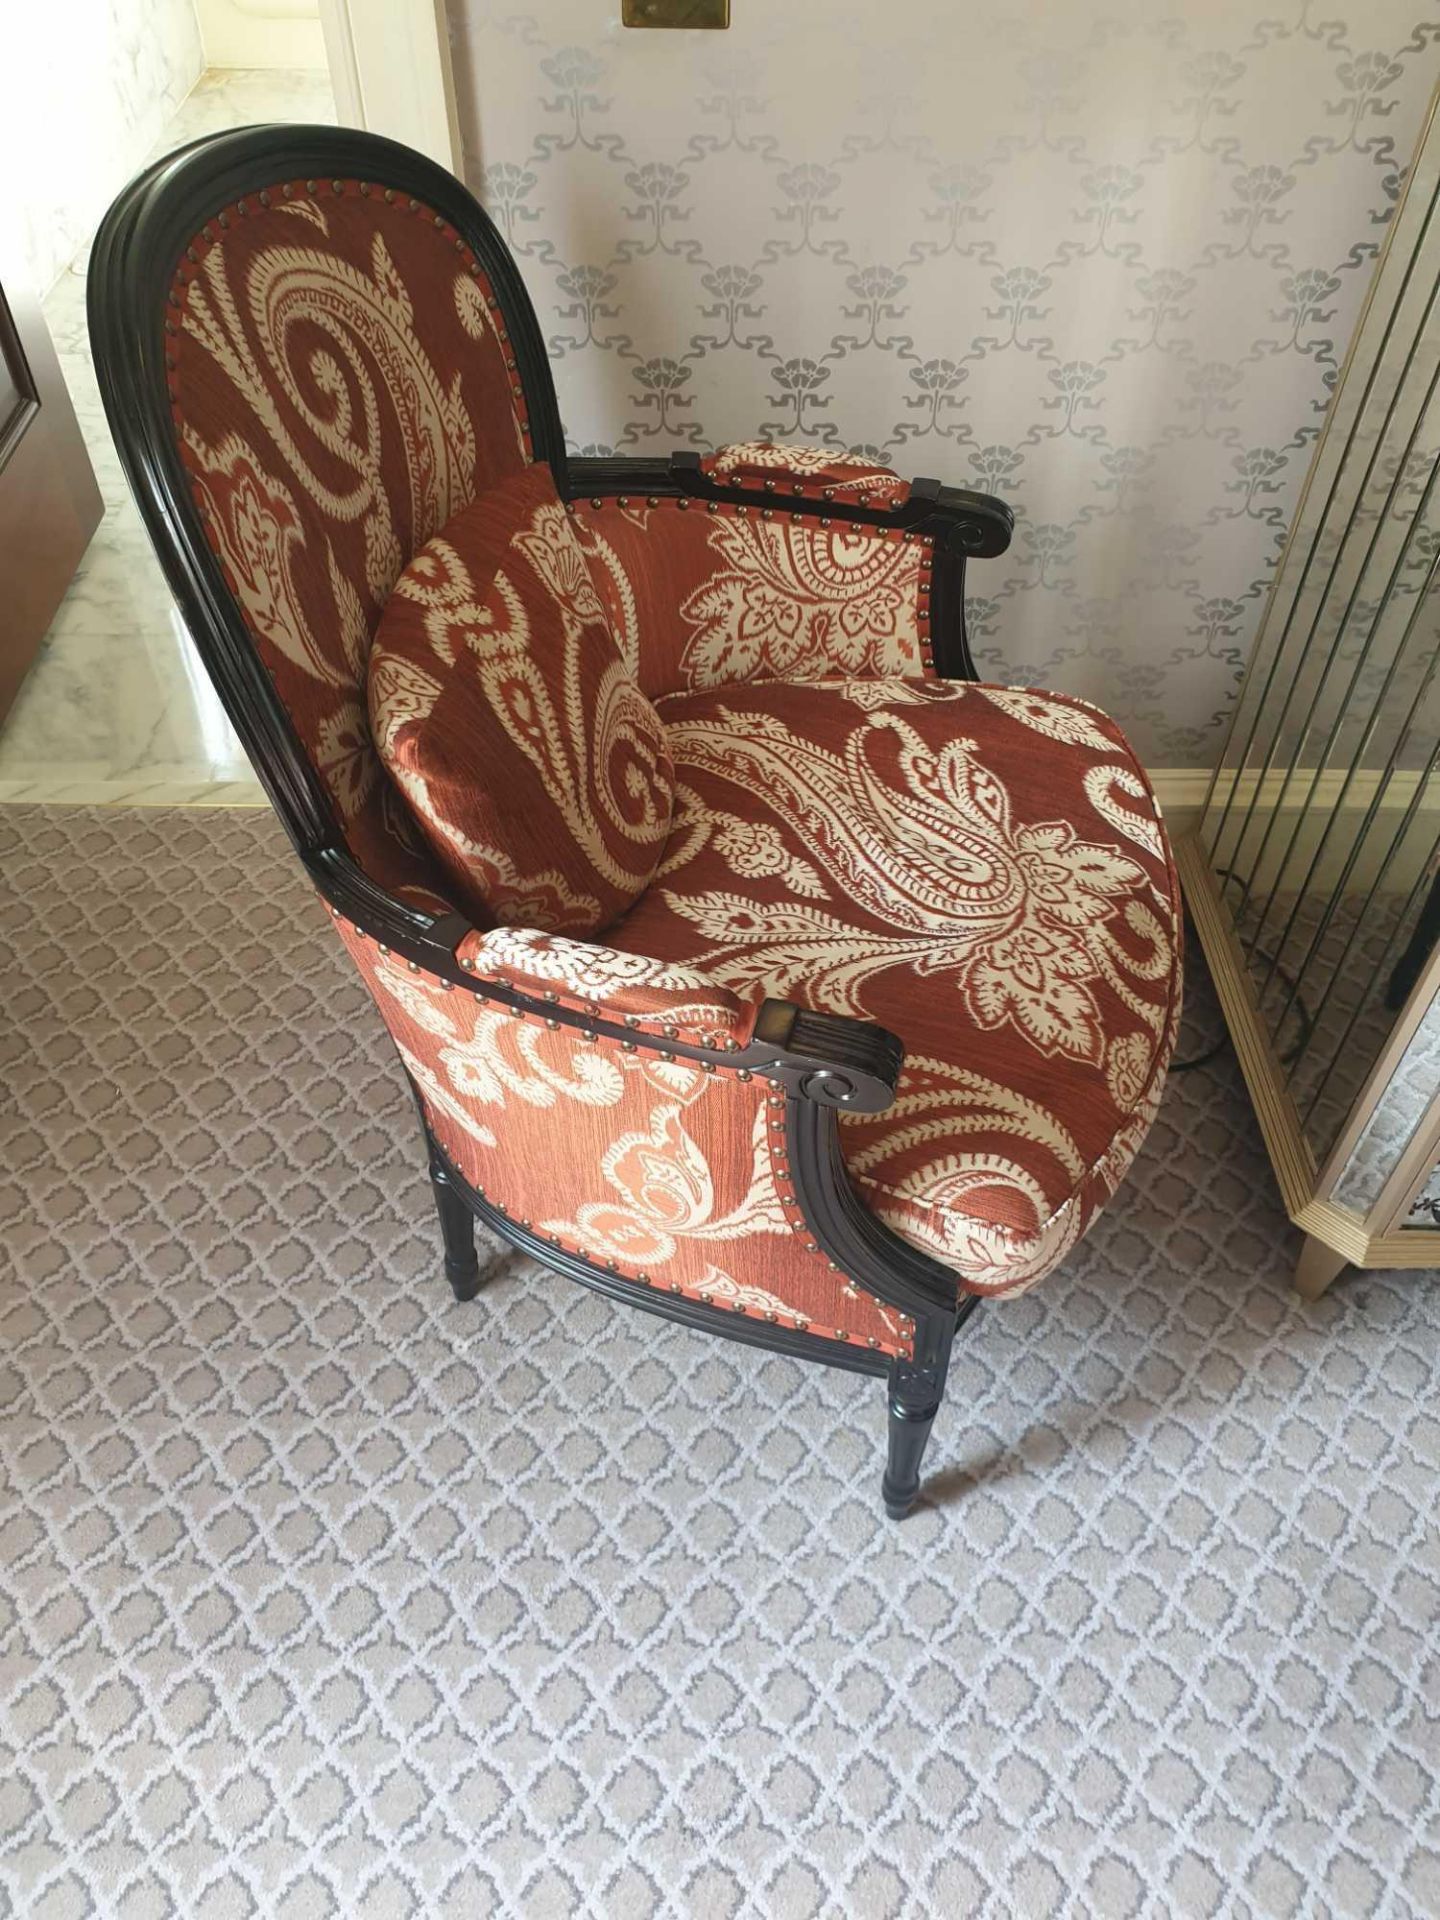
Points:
[(706, 594), (341, 383), (983, 871), (653, 996), (506, 713), (815, 473), (656, 1169)]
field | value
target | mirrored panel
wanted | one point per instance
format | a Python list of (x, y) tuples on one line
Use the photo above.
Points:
[(1323, 823)]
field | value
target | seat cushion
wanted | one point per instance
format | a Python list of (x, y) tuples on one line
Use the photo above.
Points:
[(980, 869), (504, 708)]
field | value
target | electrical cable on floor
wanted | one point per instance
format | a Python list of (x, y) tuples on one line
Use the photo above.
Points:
[(1287, 980)]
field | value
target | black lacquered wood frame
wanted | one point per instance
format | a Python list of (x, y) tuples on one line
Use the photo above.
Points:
[(820, 1064)]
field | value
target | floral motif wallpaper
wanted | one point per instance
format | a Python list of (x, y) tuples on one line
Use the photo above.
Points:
[(1101, 259)]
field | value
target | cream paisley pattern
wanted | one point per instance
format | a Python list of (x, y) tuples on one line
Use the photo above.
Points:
[(788, 601), (534, 636), (658, 1168), (367, 321), (621, 983), (1070, 720), (1004, 903), (1019, 919), (845, 475), (663, 1189), (495, 1058), (934, 1173), (334, 368)]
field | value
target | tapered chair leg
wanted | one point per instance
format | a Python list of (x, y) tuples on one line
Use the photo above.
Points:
[(457, 1225), (914, 1402)]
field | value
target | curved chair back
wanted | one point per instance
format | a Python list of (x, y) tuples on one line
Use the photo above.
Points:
[(313, 348)]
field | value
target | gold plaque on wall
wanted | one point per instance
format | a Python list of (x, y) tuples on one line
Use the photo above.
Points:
[(675, 13)]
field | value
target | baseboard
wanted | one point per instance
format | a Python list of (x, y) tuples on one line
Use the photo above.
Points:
[(1181, 792)]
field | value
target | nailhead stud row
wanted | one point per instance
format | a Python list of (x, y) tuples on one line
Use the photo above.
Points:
[(775, 1103)]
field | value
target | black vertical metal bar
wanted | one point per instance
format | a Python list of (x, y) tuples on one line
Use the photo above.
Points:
[(1378, 362), (1397, 841), (1406, 728), (1376, 705)]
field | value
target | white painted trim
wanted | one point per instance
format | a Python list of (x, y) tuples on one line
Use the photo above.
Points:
[(390, 69)]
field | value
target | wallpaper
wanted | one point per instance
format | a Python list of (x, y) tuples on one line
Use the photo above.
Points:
[(1102, 260), (100, 80)]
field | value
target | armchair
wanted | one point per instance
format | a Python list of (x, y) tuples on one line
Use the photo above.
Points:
[(846, 993)]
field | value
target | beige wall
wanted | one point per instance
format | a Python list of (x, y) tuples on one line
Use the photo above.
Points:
[(1099, 258)]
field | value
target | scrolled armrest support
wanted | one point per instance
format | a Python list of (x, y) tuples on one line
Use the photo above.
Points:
[(828, 1058)]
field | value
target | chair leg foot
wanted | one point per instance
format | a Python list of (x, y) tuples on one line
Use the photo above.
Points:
[(457, 1226), (914, 1403)]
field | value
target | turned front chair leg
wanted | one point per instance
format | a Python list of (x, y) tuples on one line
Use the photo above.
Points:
[(914, 1402), (457, 1224)]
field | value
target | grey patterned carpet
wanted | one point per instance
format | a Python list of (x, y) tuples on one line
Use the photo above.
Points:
[(320, 1594)]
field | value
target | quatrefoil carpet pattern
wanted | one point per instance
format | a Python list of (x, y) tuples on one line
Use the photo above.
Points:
[(321, 1594)]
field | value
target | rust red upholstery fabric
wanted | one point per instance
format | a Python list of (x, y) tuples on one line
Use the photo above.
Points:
[(341, 382), (502, 706), (656, 1169), (983, 871), (708, 594), (651, 996), (816, 473)]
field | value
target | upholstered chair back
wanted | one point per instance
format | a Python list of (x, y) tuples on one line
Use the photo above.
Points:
[(343, 377)]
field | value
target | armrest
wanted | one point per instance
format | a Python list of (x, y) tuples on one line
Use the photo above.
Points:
[(830, 1058), (806, 473), (680, 1012), (808, 480), (673, 1011), (649, 996)]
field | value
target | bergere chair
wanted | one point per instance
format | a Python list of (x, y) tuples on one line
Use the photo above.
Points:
[(750, 962)]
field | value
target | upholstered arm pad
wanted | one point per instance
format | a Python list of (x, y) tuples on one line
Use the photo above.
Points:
[(654, 996), (808, 473), (852, 1065)]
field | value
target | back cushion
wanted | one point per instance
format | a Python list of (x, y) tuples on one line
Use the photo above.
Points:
[(341, 381), (504, 709)]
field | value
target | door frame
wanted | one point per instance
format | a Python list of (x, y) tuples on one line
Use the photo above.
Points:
[(50, 502), (391, 72)]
